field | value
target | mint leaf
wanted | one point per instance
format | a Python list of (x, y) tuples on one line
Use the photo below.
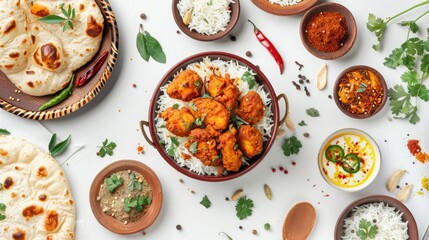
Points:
[(205, 202)]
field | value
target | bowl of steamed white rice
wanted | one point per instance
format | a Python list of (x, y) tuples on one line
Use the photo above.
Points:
[(284, 7), (206, 20), (176, 148), (377, 217)]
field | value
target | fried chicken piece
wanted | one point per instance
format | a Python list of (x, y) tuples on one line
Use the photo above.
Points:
[(250, 140), (223, 90), (186, 86), (202, 145), (214, 113), (178, 121), (231, 155), (251, 108)]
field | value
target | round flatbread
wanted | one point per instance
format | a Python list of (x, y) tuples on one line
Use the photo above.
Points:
[(40, 58), (39, 204)]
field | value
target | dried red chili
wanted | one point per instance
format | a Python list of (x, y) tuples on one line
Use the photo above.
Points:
[(414, 147), (327, 31), (90, 73), (268, 45)]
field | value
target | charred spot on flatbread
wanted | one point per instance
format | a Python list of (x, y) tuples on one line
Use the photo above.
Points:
[(8, 182), (93, 28), (3, 152), (81, 7), (30, 84), (9, 27), (47, 57), (32, 211), (41, 172), (43, 197), (19, 234), (51, 221), (39, 10), (14, 55)]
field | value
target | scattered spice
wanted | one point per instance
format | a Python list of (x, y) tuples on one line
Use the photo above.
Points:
[(394, 179), (299, 65), (327, 31), (414, 147), (179, 227), (306, 135), (301, 81), (293, 163), (286, 172), (134, 85), (281, 168), (306, 91), (330, 96), (249, 53), (322, 77), (425, 183), (237, 194), (143, 16), (140, 149), (240, 227), (233, 38), (296, 85), (254, 232), (273, 170), (268, 192), (178, 32)]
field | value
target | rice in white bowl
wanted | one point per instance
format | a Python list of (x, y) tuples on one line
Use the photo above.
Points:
[(205, 68), (284, 3), (386, 218), (208, 16)]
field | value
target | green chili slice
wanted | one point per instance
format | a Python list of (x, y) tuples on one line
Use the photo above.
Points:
[(334, 153), (60, 97), (351, 163)]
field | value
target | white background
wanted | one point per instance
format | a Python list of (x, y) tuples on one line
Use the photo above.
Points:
[(116, 112)]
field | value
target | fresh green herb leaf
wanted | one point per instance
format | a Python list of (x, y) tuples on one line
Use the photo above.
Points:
[(206, 202), (142, 202), (193, 148), (249, 78), (129, 204), (54, 19), (206, 95), (210, 2), (366, 230), (113, 182), (2, 211), (154, 48), (291, 146), (172, 150), (1, 186), (199, 121), (411, 25), (141, 47), (192, 105), (302, 123), (229, 238), (236, 147), (312, 112), (176, 106), (197, 83), (107, 148), (56, 149), (175, 141), (362, 87), (134, 183), (267, 226), (205, 20), (244, 207), (238, 121), (4, 131), (377, 26)]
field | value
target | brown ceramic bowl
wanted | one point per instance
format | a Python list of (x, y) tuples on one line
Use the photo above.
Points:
[(148, 217), (413, 232), (284, 10), (28, 106), (341, 105), (235, 14), (329, 7), (260, 78)]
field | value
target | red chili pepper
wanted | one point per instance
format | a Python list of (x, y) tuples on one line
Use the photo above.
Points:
[(90, 73), (268, 45)]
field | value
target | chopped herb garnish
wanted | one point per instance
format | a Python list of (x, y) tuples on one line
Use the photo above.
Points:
[(206, 95), (205, 20), (56, 149), (291, 146), (362, 87), (312, 112), (192, 105), (199, 121), (162, 126), (4, 131), (175, 143), (302, 123), (107, 148), (113, 182), (2, 211), (244, 207), (134, 183), (176, 106), (366, 230), (235, 147), (238, 121), (193, 148), (206, 202), (197, 83), (249, 78), (1, 186), (55, 19)]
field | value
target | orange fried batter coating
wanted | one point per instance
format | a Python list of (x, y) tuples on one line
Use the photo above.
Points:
[(223, 90), (251, 108), (205, 149), (231, 155), (214, 113), (186, 86), (250, 140), (178, 121)]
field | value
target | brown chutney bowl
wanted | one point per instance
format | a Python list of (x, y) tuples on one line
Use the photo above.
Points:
[(260, 78), (277, 9), (235, 14), (341, 105), (413, 232), (148, 218), (351, 27)]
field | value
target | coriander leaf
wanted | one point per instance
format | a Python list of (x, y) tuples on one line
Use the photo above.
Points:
[(60, 147), (107, 148), (175, 141), (413, 46), (197, 83), (410, 77), (244, 207), (238, 121), (206, 95), (376, 25), (206, 202), (362, 87), (52, 19), (373, 231), (414, 118), (267, 226), (361, 234), (229, 238), (134, 183), (4, 131), (364, 224), (113, 182), (2, 211), (1, 186), (419, 90), (302, 123), (249, 78), (312, 112), (394, 59), (154, 48), (193, 107), (176, 106), (366, 230), (291, 146), (411, 25), (193, 148), (129, 204), (424, 67), (141, 47)]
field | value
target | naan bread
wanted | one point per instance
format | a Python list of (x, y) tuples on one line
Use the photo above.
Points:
[(45, 63), (35, 191)]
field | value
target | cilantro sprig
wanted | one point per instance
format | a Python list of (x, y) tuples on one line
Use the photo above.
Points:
[(134, 183), (174, 144), (113, 182), (107, 148), (367, 230), (244, 207), (291, 146), (69, 14), (138, 203)]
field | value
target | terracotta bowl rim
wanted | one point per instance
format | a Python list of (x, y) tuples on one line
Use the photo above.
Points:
[(284, 10)]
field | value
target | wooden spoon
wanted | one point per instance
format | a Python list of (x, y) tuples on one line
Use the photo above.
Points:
[(299, 222)]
